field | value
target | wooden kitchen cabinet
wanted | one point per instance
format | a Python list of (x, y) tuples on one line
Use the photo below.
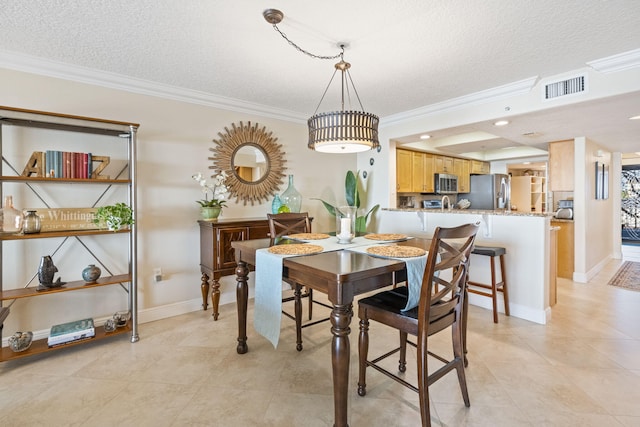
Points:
[(565, 248), (404, 173), (414, 172), (480, 168), (443, 164), (462, 168), (561, 171), (422, 173), (217, 257)]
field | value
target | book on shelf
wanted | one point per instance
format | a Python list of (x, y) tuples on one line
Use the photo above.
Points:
[(71, 331), (57, 344)]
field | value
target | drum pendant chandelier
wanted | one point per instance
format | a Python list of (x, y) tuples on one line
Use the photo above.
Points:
[(336, 131)]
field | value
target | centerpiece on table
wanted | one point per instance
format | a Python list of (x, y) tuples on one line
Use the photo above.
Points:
[(210, 208)]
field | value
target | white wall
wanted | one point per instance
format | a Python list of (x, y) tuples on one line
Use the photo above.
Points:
[(173, 143), (594, 218)]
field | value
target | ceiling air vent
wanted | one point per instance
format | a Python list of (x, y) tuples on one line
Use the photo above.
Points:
[(565, 87)]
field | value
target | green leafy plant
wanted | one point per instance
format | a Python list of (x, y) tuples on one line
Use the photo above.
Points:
[(352, 196), (114, 217)]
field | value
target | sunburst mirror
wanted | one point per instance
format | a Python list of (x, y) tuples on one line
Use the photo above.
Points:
[(252, 159)]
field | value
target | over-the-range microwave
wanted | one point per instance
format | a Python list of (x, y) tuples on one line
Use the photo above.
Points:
[(445, 183)]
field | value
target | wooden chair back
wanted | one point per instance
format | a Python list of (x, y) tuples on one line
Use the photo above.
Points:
[(444, 280), (283, 224)]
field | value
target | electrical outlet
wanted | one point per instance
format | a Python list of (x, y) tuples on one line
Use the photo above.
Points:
[(157, 274)]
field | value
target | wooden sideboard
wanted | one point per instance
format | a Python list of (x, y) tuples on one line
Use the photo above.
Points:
[(217, 257)]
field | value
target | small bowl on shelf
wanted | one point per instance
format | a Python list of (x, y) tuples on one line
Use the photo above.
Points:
[(121, 318), (20, 341), (110, 325)]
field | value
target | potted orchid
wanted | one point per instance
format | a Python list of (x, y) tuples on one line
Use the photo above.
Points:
[(214, 194)]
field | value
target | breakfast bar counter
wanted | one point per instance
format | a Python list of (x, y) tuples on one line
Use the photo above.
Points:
[(526, 236)]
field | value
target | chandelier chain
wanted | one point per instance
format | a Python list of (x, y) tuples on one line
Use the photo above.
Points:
[(275, 27)]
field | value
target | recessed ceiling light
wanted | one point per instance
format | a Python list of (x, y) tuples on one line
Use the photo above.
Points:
[(501, 123), (634, 118), (425, 136)]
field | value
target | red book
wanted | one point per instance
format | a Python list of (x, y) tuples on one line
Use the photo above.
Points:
[(85, 165), (78, 165)]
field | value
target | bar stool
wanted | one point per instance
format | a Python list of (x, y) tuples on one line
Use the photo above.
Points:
[(494, 287)]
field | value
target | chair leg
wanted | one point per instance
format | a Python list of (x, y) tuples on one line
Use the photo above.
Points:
[(310, 292), (505, 291), (423, 381), (297, 292), (458, 358), (363, 350), (465, 317), (402, 364), (494, 290)]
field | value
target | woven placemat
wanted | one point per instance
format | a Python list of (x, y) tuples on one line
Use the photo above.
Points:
[(295, 249), (396, 251), (309, 236), (385, 236)]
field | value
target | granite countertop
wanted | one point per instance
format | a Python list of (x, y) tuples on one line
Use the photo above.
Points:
[(475, 212)]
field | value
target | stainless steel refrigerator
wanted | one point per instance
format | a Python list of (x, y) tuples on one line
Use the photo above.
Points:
[(489, 192)]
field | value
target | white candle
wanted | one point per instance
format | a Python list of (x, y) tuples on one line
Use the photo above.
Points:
[(345, 226)]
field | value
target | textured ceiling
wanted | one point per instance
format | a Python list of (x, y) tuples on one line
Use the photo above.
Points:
[(404, 54)]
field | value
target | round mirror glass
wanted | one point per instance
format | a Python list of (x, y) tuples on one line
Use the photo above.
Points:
[(250, 163)]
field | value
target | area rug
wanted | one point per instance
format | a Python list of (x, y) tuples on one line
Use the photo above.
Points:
[(627, 276)]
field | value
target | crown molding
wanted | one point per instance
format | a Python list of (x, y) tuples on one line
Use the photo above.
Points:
[(76, 73), (477, 98), (615, 63)]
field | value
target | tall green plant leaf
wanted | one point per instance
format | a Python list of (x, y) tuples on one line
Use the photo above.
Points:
[(352, 196), (351, 189)]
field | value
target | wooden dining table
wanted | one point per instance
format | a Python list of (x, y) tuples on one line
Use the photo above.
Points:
[(341, 275)]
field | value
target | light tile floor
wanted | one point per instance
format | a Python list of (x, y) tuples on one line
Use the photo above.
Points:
[(583, 368)]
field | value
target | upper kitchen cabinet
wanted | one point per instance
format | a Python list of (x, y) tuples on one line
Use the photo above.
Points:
[(561, 154), (461, 168), (443, 164), (480, 168), (422, 174), (403, 171), (414, 172)]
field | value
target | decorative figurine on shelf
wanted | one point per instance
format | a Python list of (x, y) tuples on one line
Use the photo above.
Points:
[(46, 271), (20, 341)]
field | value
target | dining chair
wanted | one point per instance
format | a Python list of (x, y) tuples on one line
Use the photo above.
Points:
[(440, 308), (284, 224)]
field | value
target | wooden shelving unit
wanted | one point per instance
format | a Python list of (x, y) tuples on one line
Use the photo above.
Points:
[(529, 193), (121, 132)]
